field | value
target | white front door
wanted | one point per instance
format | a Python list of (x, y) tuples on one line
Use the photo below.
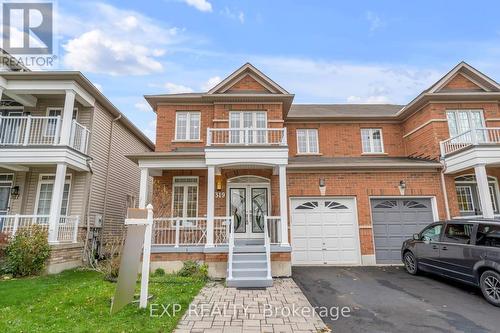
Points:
[(248, 204)]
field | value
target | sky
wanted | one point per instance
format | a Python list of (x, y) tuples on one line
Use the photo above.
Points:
[(321, 51)]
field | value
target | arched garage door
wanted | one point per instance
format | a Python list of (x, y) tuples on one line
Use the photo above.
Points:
[(394, 221), (324, 231)]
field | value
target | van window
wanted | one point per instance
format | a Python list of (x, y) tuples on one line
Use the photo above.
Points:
[(458, 233), (431, 233), (488, 235)]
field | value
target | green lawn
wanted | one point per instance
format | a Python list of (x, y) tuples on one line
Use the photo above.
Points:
[(79, 301)]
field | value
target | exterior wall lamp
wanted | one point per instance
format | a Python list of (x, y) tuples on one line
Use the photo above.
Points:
[(322, 186), (402, 187), (14, 192)]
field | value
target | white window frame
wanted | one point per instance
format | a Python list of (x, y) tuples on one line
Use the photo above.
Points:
[(185, 186), (469, 189), (41, 181), (371, 130), (8, 182), (74, 116), (238, 137), (188, 126), (469, 118), (308, 146)]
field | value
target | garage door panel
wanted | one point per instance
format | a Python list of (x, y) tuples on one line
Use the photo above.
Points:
[(330, 230), (394, 221)]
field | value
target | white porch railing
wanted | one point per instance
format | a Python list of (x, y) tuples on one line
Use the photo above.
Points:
[(67, 230), (490, 135), (274, 229), (39, 131), (246, 136), (267, 244)]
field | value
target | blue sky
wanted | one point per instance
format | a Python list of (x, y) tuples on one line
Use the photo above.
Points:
[(322, 51)]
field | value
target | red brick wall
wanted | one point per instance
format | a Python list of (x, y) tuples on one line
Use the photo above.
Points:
[(460, 82), (247, 83), (363, 185)]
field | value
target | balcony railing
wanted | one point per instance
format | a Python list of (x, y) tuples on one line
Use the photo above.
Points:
[(40, 131), (246, 136), (477, 136), (67, 228)]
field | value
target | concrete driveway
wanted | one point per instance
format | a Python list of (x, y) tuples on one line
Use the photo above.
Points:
[(387, 299)]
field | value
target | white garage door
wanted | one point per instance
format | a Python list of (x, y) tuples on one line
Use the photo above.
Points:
[(324, 231)]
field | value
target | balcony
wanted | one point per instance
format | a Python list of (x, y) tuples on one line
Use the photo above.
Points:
[(41, 131), (246, 137), (66, 230), (479, 146)]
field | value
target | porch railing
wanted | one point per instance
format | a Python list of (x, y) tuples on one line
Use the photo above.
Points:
[(246, 136), (472, 137), (40, 131), (274, 229), (67, 229)]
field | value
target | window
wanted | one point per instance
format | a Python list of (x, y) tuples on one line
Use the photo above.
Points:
[(464, 197), (249, 119), (307, 141), (432, 233), (187, 126), (334, 205), (308, 205), (458, 233), (185, 197), (371, 139), (488, 235), (460, 121), (50, 129), (44, 197)]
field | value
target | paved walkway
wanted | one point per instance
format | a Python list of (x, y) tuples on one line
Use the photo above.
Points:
[(280, 308)]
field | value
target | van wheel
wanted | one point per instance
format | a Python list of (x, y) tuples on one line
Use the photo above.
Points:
[(410, 263), (490, 286)]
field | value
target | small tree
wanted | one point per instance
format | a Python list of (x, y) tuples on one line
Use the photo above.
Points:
[(28, 251)]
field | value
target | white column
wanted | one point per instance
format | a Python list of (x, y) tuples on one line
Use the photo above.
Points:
[(484, 191), (56, 201), (67, 117), (1, 92), (283, 206), (210, 205), (143, 188)]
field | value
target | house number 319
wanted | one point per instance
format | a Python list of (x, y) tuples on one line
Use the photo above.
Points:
[(220, 195)]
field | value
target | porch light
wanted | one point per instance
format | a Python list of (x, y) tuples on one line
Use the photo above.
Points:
[(14, 192), (402, 187), (218, 183), (322, 186)]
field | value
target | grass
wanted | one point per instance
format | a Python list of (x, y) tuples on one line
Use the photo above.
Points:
[(79, 301)]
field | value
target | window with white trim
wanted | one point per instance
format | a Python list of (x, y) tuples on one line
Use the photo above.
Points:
[(371, 139), (464, 198), (44, 195), (460, 121), (50, 127), (307, 141), (185, 197), (187, 126)]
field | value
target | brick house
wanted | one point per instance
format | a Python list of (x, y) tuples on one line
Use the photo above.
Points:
[(252, 184)]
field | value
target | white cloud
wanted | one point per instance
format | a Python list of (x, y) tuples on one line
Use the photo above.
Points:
[(150, 130), (201, 5), (105, 39), (233, 14), (142, 106), (173, 88), (211, 82), (337, 82), (374, 20)]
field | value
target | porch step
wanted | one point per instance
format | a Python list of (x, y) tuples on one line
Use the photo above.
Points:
[(249, 249), (238, 242), (250, 264), (253, 282), (237, 257)]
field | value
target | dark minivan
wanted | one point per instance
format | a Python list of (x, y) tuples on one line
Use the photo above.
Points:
[(464, 250)]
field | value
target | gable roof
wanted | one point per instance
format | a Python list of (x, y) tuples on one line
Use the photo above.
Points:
[(253, 72)]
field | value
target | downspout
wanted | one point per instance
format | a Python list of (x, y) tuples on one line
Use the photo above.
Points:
[(443, 188), (86, 209), (106, 187)]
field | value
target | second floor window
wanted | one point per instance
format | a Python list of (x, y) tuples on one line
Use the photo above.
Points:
[(371, 139), (187, 126), (307, 141), (460, 121)]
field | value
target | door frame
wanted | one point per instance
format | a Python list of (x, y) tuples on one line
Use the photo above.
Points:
[(327, 197), (248, 189), (435, 213), (11, 184)]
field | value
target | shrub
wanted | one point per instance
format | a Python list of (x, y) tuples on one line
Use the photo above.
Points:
[(27, 252), (193, 269), (110, 266), (159, 272)]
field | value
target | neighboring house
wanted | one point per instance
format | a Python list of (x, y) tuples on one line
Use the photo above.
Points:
[(336, 184), (62, 161)]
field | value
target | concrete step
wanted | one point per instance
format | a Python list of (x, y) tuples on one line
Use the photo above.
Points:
[(237, 257), (248, 241), (250, 264), (249, 249), (249, 282), (249, 273)]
